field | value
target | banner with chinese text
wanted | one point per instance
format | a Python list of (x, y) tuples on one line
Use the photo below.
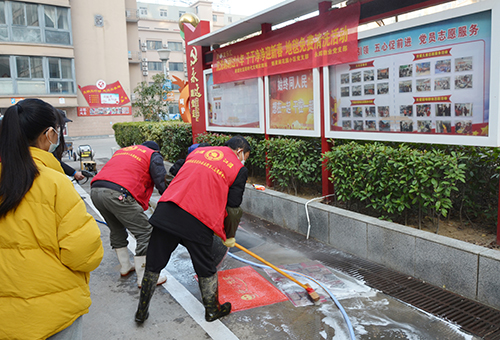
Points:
[(108, 96), (430, 81), (85, 111), (328, 39)]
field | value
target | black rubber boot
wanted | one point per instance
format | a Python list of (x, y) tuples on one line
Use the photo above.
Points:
[(147, 289), (209, 287)]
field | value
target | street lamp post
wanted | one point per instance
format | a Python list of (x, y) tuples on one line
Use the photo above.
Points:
[(164, 54)]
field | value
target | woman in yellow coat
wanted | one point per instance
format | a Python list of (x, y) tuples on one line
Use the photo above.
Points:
[(49, 244)]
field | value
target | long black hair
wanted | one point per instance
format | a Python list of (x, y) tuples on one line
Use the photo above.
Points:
[(20, 128), (62, 143)]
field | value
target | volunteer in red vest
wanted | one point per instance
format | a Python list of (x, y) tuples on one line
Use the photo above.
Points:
[(204, 198), (121, 192)]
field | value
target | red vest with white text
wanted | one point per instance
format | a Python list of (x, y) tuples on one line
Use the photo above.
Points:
[(129, 168), (202, 185)]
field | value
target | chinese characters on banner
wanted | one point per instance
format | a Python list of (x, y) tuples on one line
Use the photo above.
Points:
[(103, 111), (195, 79), (329, 39), (432, 79), (292, 101), (111, 95)]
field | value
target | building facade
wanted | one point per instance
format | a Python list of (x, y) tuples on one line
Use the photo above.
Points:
[(87, 56), (159, 28)]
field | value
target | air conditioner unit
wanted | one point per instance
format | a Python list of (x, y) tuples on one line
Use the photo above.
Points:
[(127, 14), (144, 68), (144, 49), (144, 73), (144, 44), (185, 74), (144, 59)]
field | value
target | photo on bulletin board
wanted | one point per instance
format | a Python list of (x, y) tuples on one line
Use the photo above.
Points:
[(293, 103), (236, 106), (419, 82)]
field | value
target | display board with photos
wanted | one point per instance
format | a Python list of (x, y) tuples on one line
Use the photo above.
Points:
[(427, 83), (235, 106)]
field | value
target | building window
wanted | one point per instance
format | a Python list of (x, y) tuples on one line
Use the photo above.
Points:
[(25, 23), (57, 25), (181, 13), (229, 19), (4, 67), (176, 66), (173, 109), (34, 23), (153, 44), (175, 46), (61, 75), (163, 12), (155, 66), (214, 18), (143, 11), (175, 87), (197, 10), (33, 75)]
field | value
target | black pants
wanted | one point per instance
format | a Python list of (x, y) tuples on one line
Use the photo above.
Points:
[(163, 243)]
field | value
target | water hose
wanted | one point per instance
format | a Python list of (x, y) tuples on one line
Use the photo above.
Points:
[(307, 213), (342, 310), (312, 294), (283, 271)]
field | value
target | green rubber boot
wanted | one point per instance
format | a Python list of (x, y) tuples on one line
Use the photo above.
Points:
[(147, 289), (209, 287)]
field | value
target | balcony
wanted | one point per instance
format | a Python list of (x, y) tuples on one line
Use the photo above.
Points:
[(132, 14), (134, 57)]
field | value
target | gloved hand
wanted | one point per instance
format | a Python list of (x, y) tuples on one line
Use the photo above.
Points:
[(229, 242)]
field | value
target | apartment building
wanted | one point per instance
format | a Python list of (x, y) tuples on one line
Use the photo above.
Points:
[(159, 28), (87, 56)]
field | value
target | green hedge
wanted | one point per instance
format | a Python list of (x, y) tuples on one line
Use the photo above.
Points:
[(294, 162), (393, 180), (173, 137)]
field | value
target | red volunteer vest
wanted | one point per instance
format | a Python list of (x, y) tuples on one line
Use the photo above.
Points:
[(202, 185), (129, 168)]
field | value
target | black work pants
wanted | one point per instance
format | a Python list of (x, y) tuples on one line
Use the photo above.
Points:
[(163, 243)]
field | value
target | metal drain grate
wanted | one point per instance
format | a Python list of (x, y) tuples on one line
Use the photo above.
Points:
[(471, 316)]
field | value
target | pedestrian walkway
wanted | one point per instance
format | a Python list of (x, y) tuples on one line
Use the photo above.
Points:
[(177, 313)]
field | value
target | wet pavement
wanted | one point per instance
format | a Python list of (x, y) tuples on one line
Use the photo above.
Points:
[(176, 311)]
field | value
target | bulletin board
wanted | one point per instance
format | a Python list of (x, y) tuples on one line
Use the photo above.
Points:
[(429, 80), (293, 104), (235, 106)]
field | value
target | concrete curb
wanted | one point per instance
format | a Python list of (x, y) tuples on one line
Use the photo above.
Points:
[(460, 267)]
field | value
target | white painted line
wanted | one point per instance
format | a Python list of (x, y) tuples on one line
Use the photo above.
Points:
[(216, 329), (86, 198)]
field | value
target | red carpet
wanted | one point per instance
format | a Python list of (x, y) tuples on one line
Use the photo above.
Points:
[(245, 289)]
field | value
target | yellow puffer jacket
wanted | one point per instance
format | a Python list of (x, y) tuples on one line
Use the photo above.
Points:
[(48, 247)]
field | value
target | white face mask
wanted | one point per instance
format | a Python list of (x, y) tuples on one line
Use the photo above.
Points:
[(53, 146), (242, 160)]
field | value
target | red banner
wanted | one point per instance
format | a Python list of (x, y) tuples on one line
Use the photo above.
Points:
[(112, 95), (84, 111), (363, 102), (433, 54), (361, 65), (437, 99), (328, 39)]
